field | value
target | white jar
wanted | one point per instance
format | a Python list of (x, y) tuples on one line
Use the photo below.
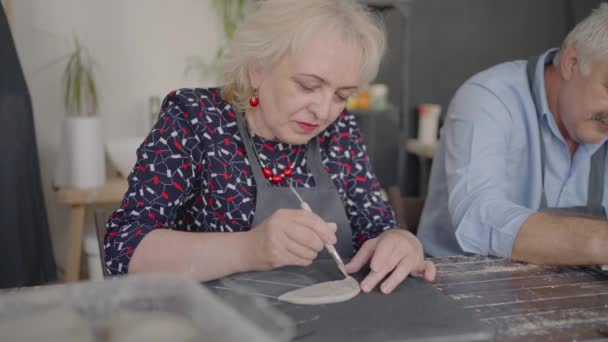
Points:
[(378, 96), (428, 122), (83, 153)]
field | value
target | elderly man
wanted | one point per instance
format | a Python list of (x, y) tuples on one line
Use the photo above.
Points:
[(521, 166)]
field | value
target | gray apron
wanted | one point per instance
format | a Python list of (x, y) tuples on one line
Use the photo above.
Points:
[(323, 199), (595, 194)]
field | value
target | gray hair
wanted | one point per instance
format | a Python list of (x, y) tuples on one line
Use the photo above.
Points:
[(277, 28), (590, 39)]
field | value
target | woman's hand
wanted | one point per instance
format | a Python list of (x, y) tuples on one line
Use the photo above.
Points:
[(290, 237), (395, 250)]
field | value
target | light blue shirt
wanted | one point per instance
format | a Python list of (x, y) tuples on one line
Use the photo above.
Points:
[(486, 176)]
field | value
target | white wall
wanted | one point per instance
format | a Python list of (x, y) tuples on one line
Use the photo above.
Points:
[(141, 47)]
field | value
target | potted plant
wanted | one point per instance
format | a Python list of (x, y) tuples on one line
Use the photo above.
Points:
[(79, 87), (83, 161)]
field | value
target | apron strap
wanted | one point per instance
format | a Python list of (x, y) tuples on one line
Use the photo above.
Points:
[(595, 193), (316, 166), (596, 177), (530, 69), (256, 168)]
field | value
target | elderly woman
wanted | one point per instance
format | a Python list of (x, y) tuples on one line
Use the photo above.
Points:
[(216, 168)]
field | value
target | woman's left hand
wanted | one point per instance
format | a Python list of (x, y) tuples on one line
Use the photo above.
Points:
[(395, 250)]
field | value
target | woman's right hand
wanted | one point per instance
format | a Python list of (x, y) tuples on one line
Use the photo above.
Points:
[(290, 237)]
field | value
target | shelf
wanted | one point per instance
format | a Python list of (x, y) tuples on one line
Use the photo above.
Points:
[(111, 192), (371, 112), (421, 149)]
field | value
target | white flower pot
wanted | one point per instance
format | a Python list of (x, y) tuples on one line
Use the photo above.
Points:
[(82, 161)]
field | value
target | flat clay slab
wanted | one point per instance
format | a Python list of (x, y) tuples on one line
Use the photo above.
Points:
[(324, 293)]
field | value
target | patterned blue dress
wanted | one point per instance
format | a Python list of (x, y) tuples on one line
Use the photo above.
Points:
[(192, 174)]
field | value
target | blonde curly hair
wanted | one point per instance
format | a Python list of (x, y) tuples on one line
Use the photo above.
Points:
[(276, 28)]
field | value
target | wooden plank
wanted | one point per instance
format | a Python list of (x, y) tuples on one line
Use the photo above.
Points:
[(491, 274), (531, 306), (584, 332), (490, 265), (531, 294), (521, 283), (462, 259), (527, 302), (554, 325)]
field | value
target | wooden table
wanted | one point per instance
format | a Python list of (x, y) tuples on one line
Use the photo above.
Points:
[(523, 302), (78, 200), (528, 302)]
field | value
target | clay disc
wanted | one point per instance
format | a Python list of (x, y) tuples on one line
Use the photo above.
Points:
[(324, 293)]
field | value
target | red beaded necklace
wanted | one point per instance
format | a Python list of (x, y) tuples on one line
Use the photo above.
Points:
[(277, 178), (266, 171)]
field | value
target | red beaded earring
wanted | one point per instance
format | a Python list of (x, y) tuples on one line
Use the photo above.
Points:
[(254, 100)]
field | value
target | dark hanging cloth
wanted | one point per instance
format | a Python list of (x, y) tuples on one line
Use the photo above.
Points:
[(26, 254)]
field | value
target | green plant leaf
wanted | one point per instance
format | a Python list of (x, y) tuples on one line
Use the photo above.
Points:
[(92, 91), (80, 90), (77, 87), (67, 79)]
